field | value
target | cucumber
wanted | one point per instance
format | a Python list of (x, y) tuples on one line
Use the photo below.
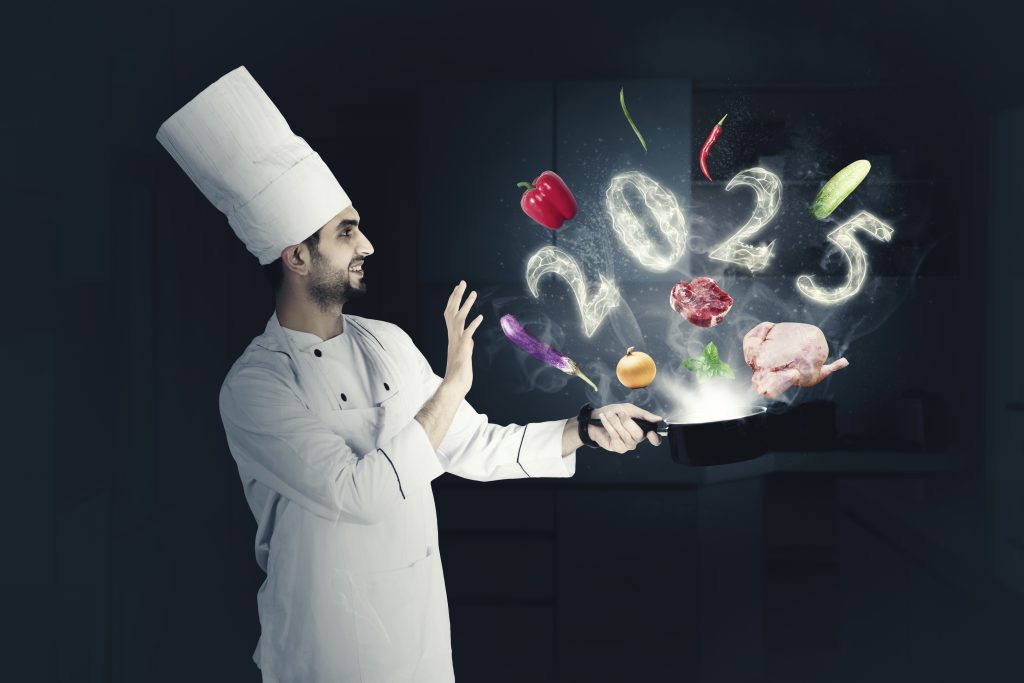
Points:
[(839, 188)]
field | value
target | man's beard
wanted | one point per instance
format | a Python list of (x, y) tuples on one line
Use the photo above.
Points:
[(332, 287)]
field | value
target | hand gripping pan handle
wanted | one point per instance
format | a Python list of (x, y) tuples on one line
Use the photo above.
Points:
[(645, 425)]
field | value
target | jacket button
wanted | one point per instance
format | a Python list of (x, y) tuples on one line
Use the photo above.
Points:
[(343, 397), (317, 353), (386, 387)]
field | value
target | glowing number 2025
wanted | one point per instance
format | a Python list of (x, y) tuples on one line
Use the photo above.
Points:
[(663, 206), (592, 310), (855, 255), (672, 225), (768, 189)]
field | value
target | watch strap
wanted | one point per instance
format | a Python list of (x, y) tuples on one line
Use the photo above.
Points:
[(583, 423)]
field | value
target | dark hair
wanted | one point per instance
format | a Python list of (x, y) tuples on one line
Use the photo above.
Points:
[(275, 269)]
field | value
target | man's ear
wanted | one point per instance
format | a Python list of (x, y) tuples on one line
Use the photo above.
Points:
[(295, 259)]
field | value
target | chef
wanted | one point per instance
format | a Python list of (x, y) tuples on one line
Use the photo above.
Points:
[(337, 423)]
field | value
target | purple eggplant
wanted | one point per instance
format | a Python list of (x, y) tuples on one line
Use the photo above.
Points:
[(539, 350)]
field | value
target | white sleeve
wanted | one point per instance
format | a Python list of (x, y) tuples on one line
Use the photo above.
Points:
[(474, 449), (279, 442)]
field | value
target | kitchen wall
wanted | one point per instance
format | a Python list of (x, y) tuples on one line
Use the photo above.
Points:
[(1005, 285)]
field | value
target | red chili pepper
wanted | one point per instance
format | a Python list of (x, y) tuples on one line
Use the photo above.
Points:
[(712, 136), (547, 200)]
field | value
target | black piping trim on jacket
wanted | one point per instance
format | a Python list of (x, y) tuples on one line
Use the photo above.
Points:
[(363, 328), (396, 473), (520, 451)]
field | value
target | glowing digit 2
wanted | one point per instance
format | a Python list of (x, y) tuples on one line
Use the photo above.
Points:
[(768, 189), (592, 310), (665, 209), (843, 238)]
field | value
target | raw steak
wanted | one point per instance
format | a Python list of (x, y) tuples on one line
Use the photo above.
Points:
[(701, 301), (784, 355)]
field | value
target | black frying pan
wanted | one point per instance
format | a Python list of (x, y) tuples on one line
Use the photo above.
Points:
[(713, 443)]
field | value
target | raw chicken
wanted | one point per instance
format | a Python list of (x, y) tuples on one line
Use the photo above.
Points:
[(783, 355)]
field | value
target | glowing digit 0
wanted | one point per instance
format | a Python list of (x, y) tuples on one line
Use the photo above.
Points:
[(843, 238), (592, 310), (665, 209), (768, 189)]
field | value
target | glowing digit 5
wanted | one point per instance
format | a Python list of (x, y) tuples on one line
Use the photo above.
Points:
[(768, 189), (592, 310), (843, 238), (662, 205)]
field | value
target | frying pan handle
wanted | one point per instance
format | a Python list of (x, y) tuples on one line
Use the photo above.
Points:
[(645, 425)]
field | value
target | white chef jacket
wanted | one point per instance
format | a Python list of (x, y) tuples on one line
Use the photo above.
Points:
[(337, 474)]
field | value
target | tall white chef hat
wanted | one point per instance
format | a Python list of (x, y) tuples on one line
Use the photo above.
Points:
[(240, 152)]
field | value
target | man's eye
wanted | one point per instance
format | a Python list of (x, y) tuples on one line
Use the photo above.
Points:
[(346, 233)]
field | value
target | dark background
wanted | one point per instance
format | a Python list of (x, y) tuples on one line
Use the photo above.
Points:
[(883, 540)]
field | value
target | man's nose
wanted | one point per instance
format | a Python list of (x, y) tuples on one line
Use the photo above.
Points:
[(365, 247)]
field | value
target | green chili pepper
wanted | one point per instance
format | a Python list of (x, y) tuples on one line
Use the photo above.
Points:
[(622, 101)]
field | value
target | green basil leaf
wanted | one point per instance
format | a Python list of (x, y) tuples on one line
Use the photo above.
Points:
[(723, 370)]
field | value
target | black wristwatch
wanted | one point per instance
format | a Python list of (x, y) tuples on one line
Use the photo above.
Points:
[(583, 421)]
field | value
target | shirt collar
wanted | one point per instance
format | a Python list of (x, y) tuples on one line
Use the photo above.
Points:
[(304, 342), (275, 338)]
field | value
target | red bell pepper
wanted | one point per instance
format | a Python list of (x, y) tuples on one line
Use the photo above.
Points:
[(547, 200)]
